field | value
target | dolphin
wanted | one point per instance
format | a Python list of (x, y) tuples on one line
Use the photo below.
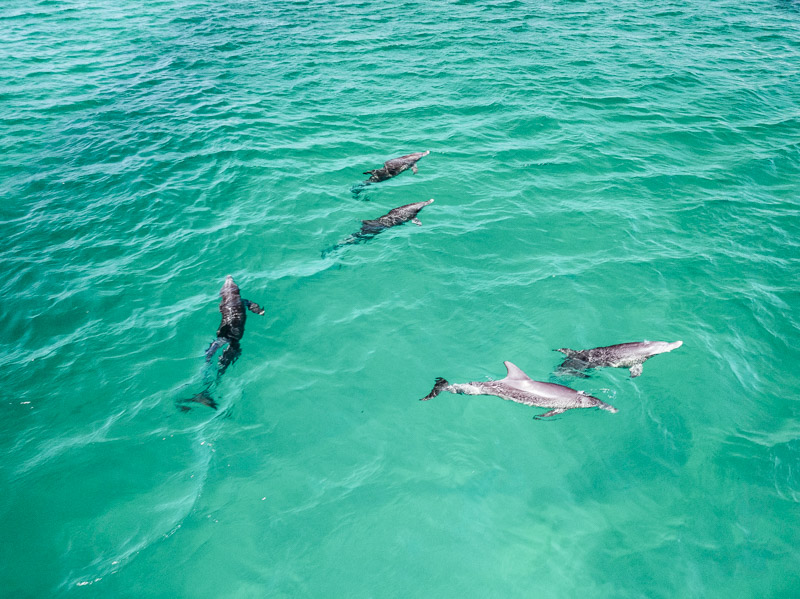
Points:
[(624, 355), (395, 216), (395, 166), (518, 387), (231, 330)]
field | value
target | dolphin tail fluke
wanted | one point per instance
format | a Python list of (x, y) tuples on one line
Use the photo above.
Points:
[(437, 388), (204, 397), (357, 188)]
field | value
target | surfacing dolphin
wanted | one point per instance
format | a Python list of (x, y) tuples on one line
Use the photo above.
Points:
[(370, 228), (395, 166), (624, 355), (518, 387), (231, 330)]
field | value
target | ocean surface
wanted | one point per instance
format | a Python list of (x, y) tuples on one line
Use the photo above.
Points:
[(604, 172)]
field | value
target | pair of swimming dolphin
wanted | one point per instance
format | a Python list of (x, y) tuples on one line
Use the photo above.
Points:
[(519, 387), (396, 216)]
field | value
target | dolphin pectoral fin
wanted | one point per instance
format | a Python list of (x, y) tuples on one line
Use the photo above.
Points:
[(414, 168), (416, 221), (636, 370), (551, 413), (253, 307)]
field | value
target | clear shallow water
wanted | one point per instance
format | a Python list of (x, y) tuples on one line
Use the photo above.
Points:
[(603, 172)]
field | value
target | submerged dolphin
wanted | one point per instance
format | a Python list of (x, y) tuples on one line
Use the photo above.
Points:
[(396, 216), (624, 355), (395, 166), (231, 330), (518, 387)]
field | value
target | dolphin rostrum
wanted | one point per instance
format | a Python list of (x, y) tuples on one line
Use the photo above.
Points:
[(230, 332), (518, 387), (395, 166), (624, 355), (395, 216)]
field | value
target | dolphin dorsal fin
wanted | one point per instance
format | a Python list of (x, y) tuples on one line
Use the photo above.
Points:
[(514, 373)]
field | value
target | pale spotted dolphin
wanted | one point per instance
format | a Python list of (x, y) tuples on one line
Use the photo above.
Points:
[(624, 355), (518, 387)]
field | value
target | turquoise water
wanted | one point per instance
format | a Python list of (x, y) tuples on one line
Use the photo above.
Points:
[(603, 172)]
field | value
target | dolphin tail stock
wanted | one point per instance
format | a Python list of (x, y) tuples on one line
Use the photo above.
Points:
[(212, 349), (440, 385), (349, 241), (228, 357)]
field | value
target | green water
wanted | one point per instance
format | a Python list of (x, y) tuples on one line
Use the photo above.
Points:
[(603, 172)]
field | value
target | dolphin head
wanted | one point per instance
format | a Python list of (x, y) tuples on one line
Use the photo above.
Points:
[(662, 347), (229, 287)]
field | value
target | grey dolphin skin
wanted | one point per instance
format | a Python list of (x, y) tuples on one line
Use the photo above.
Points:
[(518, 387), (396, 216), (624, 355), (231, 330), (395, 166)]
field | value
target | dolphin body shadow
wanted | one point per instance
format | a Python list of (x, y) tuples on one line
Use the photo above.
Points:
[(371, 228), (518, 387), (623, 355), (230, 332)]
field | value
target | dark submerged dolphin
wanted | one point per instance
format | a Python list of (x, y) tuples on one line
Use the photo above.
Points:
[(624, 355), (395, 166), (230, 332), (518, 387), (231, 329), (396, 216)]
